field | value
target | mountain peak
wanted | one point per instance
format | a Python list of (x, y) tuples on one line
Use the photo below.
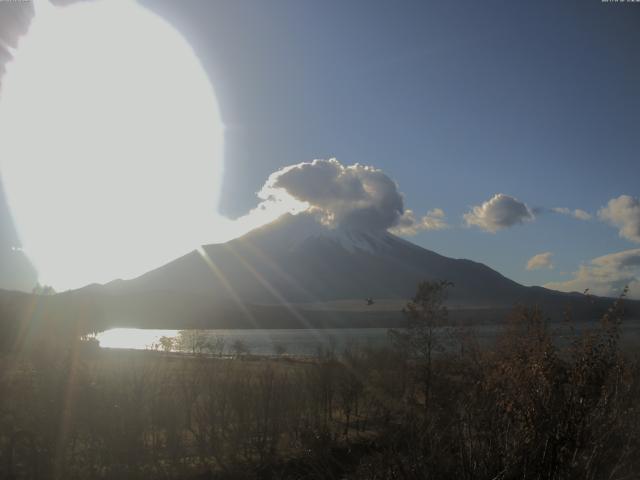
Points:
[(294, 232), (277, 271)]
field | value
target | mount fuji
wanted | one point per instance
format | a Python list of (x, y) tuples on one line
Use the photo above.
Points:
[(296, 273)]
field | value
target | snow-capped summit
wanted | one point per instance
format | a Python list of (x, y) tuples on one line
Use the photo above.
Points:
[(293, 232)]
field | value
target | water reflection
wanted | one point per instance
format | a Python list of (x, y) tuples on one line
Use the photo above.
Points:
[(258, 342), (299, 342)]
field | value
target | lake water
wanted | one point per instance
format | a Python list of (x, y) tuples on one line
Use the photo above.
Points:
[(300, 342)]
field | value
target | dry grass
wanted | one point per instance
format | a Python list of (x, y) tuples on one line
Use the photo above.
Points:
[(527, 408)]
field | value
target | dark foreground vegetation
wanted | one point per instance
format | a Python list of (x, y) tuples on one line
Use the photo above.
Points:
[(436, 405)]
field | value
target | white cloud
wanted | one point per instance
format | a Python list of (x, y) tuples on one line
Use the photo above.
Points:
[(606, 275), (407, 224), (349, 196), (541, 260), (354, 196), (577, 213), (624, 213), (581, 214), (501, 211)]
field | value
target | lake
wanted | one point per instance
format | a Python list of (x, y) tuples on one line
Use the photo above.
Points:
[(303, 342), (299, 342)]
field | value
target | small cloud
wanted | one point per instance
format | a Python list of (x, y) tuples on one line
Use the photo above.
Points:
[(624, 213), (561, 210), (577, 213), (501, 211), (539, 261), (408, 225), (581, 214), (606, 275)]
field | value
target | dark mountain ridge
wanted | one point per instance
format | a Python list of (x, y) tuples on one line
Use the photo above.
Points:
[(297, 273), (297, 260)]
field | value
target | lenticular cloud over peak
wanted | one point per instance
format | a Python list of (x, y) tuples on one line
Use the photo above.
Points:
[(349, 197), (358, 197), (354, 196)]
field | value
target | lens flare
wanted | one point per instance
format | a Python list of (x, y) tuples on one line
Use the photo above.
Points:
[(111, 143)]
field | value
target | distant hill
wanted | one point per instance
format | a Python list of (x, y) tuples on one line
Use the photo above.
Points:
[(296, 273)]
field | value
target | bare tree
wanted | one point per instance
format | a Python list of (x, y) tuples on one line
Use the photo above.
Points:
[(420, 339), (166, 343)]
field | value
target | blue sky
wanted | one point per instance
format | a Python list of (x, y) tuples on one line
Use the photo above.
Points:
[(456, 101)]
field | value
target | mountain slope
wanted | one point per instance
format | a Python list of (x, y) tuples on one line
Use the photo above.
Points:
[(295, 260), (296, 273)]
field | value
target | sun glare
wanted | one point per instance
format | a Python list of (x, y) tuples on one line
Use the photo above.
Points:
[(111, 143)]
